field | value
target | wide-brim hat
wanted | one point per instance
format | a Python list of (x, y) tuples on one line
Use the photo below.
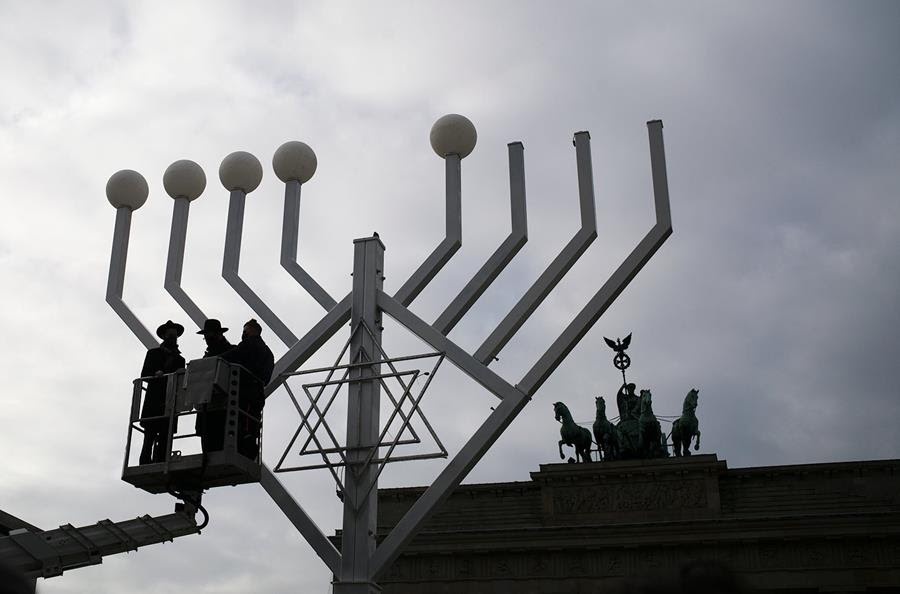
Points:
[(212, 325), (169, 324)]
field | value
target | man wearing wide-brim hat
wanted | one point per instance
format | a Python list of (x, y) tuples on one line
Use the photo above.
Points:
[(159, 361), (210, 425), (214, 335)]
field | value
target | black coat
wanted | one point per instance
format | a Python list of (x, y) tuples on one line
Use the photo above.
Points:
[(217, 347), (165, 359), (253, 354), (209, 423)]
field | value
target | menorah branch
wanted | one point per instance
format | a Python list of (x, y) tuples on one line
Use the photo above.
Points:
[(116, 281), (175, 261), (504, 254), (619, 279), (450, 478), (448, 246), (560, 265), (312, 341), (301, 520), (290, 235), (461, 359), (231, 262)]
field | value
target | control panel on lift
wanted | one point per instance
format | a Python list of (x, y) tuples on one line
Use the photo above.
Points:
[(204, 428)]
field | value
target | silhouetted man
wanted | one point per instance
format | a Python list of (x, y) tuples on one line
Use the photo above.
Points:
[(214, 337), (210, 426), (161, 360), (253, 354)]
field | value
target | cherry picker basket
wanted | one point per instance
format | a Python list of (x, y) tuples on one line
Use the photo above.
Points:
[(227, 400)]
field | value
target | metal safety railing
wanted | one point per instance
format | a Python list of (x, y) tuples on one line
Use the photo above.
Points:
[(204, 387)]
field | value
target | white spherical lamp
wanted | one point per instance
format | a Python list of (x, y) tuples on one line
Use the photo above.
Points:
[(240, 171), (294, 160), (453, 134), (184, 179), (127, 188)]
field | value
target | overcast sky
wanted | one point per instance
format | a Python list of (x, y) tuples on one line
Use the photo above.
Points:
[(776, 295)]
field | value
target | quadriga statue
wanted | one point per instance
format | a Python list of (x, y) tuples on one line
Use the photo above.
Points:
[(687, 426)]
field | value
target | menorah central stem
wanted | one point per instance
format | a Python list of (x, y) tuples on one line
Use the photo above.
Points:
[(361, 495)]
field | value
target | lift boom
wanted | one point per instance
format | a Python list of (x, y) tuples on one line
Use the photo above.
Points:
[(49, 553)]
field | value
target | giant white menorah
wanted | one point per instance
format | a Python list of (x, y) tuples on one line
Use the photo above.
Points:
[(358, 564)]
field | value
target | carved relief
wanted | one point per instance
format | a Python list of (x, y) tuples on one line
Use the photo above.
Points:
[(577, 564), (464, 567), (432, 568), (502, 567), (613, 563), (538, 565), (602, 499), (815, 556)]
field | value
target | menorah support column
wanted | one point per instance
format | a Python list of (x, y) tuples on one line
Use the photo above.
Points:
[(363, 407)]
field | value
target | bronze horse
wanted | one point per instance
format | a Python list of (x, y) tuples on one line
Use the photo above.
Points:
[(605, 433), (687, 426), (572, 435), (651, 439)]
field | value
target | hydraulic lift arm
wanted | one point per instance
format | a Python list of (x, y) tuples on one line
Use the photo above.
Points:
[(49, 553)]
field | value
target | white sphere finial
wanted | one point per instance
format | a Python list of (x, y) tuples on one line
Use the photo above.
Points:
[(240, 171), (453, 134), (127, 188), (294, 160), (184, 179)]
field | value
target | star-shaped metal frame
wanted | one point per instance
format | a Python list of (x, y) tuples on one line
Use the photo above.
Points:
[(363, 359)]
